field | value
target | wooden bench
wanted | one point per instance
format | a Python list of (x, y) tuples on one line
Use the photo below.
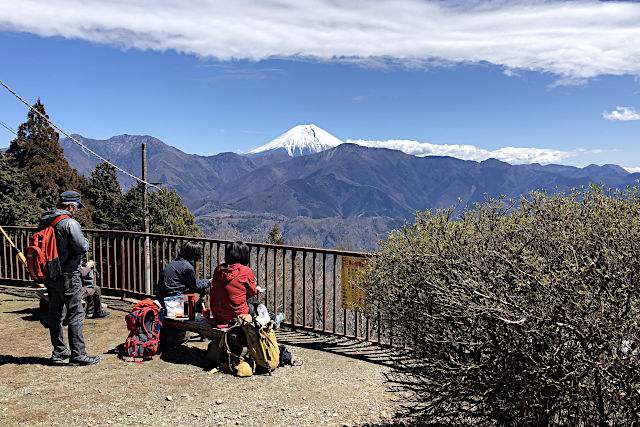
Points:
[(198, 326), (183, 324)]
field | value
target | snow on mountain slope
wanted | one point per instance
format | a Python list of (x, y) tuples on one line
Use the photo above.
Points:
[(298, 141)]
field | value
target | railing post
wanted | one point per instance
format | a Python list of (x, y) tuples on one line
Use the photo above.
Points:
[(335, 290), (294, 290), (313, 294), (284, 282), (122, 267), (304, 288), (275, 280), (324, 291)]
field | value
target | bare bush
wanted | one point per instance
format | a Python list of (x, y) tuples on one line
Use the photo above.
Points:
[(517, 312)]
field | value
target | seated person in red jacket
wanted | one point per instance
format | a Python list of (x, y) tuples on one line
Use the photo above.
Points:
[(232, 284)]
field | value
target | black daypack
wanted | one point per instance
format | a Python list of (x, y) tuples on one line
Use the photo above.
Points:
[(286, 358)]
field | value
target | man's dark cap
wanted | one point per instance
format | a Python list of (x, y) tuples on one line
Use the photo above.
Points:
[(70, 196)]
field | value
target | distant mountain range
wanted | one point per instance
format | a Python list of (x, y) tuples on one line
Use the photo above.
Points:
[(193, 176), (344, 193)]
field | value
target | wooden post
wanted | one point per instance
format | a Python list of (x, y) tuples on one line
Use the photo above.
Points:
[(145, 210)]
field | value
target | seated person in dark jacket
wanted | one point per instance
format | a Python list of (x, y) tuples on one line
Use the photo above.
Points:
[(179, 277), (91, 292)]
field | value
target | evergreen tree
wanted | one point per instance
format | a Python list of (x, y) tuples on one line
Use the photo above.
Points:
[(37, 151), (274, 237), (170, 216), (129, 209), (18, 206), (105, 194), (167, 213)]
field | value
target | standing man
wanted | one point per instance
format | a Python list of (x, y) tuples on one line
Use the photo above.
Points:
[(66, 291)]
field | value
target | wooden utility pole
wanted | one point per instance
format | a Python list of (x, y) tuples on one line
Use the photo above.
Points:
[(145, 210)]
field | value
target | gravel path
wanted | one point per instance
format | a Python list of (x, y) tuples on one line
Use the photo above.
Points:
[(341, 382)]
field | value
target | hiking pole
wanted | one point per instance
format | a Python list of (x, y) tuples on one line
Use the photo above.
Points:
[(20, 254), (261, 340)]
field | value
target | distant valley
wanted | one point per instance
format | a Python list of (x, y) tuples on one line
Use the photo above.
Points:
[(341, 195)]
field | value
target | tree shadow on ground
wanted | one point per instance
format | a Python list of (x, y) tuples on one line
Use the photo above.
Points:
[(7, 359), (348, 347)]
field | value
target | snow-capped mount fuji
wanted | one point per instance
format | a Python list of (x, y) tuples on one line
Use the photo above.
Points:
[(299, 141)]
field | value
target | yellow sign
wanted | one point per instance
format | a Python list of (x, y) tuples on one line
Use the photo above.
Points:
[(354, 297)]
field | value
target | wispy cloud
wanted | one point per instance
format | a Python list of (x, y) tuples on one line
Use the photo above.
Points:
[(631, 169), (574, 40), (233, 72), (513, 155), (360, 98), (622, 113)]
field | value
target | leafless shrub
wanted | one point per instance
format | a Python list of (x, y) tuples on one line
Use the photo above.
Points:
[(517, 312)]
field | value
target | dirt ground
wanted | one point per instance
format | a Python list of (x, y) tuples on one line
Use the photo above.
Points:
[(341, 382)]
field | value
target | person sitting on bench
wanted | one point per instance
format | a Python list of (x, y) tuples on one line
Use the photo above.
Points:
[(233, 283), (179, 277), (91, 292)]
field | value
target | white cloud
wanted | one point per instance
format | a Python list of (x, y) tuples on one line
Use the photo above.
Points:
[(622, 113), (573, 39), (631, 169), (511, 155)]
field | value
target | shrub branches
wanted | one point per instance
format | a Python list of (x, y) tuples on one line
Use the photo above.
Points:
[(517, 312)]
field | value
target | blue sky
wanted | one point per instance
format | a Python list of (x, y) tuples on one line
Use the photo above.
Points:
[(542, 81)]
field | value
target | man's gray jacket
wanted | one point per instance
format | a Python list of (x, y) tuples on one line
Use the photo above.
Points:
[(70, 241)]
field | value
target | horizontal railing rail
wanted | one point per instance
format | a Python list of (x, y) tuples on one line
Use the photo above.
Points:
[(303, 283)]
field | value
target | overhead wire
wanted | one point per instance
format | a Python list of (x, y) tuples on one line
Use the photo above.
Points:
[(84, 147), (88, 150), (7, 127)]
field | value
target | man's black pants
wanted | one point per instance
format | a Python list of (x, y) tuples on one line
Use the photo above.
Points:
[(66, 292)]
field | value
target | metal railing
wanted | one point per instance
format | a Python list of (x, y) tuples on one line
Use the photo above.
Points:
[(303, 283)]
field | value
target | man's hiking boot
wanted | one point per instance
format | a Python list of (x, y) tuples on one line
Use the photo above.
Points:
[(100, 314), (84, 360), (59, 357)]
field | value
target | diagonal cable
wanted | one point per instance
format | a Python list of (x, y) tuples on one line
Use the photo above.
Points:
[(84, 147), (7, 127)]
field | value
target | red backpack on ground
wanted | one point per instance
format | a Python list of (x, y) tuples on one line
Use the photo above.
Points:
[(42, 253), (144, 322)]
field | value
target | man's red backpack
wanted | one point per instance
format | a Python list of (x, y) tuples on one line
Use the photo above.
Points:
[(144, 323), (42, 253)]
